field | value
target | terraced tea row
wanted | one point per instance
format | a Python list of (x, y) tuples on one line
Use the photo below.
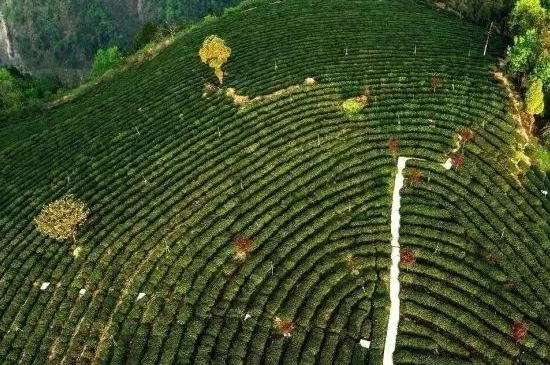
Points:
[(481, 267)]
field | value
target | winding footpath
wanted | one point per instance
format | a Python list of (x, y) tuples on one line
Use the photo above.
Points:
[(393, 320)]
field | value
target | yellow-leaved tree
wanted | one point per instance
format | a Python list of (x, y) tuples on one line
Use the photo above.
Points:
[(214, 52), (60, 219)]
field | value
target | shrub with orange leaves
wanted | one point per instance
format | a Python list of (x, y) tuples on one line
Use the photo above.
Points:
[(243, 245), (519, 331), (435, 82), (284, 326), (393, 146), (414, 177), (466, 134), (457, 159), (408, 257)]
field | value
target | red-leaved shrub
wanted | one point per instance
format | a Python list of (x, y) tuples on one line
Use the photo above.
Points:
[(466, 134), (519, 331), (414, 177), (457, 159), (408, 257), (393, 146), (242, 245), (284, 326)]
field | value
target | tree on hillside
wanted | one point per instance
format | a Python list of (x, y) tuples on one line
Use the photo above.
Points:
[(106, 59), (522, 55), (527, 14), (414, 177), (534, 97), (10, 95), (60, 219), (407, 257), (214, 52), (530, 53)]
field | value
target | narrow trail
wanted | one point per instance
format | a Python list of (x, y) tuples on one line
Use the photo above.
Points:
[(393, 320)]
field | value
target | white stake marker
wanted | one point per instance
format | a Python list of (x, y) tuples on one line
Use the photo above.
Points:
[(364, 343)]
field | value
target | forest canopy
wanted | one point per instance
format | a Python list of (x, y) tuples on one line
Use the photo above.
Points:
[(61, 35)]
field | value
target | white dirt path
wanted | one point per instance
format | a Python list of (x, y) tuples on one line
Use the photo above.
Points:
[(393, 320)]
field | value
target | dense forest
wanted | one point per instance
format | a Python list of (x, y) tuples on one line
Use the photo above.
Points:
[(61, 37), (483, 12)]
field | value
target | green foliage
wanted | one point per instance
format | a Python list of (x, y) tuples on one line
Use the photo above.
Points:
[(542, 68), (209, 18), (523, 53), (61, 35), (527, 14), (11, 97), (20, 92), (534, 97), (174, 10), (545, 136), (540, 155), (106, 59), (352, 106), (148, 33), (529, 56), (480, 11)]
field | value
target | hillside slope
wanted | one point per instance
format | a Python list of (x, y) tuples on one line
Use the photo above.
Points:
[(173, 173)]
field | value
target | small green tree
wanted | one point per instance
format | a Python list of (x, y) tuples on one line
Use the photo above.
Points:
[(148, 33), (106, 59), (522, 55), (542, 68), (214, 52), (11, 96), (534, 97), (351, 106), (60, 219)]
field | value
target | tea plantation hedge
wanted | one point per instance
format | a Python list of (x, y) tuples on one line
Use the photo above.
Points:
[(171, 176)]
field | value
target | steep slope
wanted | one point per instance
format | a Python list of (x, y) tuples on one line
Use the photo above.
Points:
[(172, 175)]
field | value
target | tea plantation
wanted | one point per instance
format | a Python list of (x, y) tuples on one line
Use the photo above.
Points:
[(174, 172)]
